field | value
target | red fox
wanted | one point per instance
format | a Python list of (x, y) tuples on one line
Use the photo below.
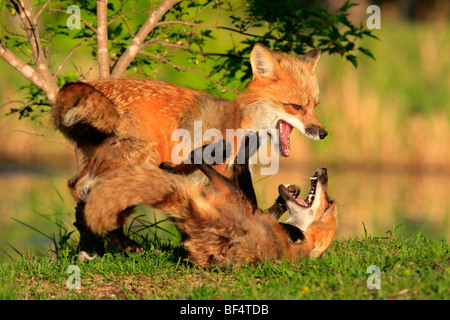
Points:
[(219, 225), (120, 122)]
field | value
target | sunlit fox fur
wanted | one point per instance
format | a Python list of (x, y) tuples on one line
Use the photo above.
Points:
[(219, 226), (121, 122)]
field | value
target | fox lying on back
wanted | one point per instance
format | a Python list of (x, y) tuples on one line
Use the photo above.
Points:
[(219, 226)]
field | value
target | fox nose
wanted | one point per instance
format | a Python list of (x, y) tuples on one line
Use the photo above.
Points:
[(322, 175), (322, 134)]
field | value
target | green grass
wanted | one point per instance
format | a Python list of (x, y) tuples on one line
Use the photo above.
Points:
[(414, 268)]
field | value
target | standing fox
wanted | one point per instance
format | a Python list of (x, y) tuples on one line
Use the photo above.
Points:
[(120, 122), (219, 225)]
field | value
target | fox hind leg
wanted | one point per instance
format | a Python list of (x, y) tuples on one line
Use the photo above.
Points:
[(93, 244)]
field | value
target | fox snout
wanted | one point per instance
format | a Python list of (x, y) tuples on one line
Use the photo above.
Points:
[(315, 131), (322, 175)]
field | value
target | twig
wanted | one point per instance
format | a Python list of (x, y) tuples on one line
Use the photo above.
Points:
[(135, 46), (25, 105), (42, 137), (211, 26), (184, 47), (165, 44), (187, 69), (123, 15), (42, 9), (87, 24), (69, 55)]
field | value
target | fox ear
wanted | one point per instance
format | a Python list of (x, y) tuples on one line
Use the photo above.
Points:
[(263, 62), (311, 57)]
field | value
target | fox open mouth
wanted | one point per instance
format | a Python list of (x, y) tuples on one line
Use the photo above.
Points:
[(287, 193), (285, 130)]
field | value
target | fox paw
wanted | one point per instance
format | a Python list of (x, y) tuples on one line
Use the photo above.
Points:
[(294, 190), (129, 246), (168, 166), (122, 243)]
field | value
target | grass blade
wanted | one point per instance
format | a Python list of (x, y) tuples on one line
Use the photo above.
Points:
[(33, 228), (12, 247)]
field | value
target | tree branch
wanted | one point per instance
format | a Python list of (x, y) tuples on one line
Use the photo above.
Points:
[(42, 9), (49, 87), (102, 38), (40, 76), (135, 45)]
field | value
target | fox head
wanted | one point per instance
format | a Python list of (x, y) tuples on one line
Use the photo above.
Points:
[(302, 213), (283, 94), (316, 216)]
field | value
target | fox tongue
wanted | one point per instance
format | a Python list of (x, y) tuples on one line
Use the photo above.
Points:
[(285, 133), (302, 202)]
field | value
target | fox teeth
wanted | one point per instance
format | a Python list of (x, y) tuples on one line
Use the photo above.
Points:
[(313, 178), (310, 196)]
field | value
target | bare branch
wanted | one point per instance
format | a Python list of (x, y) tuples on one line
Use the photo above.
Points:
[(135, 45), (69, 55), (102, 38)]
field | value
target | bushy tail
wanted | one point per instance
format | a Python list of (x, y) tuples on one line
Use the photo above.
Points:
[(111, 196), (84, 114)]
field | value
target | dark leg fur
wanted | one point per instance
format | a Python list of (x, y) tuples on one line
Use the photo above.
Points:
[(295, 234), (89, 242), (209, 171), (241, 181), (241, 171), (93, 244)]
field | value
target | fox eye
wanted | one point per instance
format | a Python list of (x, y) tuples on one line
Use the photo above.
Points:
[(296, 106)]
